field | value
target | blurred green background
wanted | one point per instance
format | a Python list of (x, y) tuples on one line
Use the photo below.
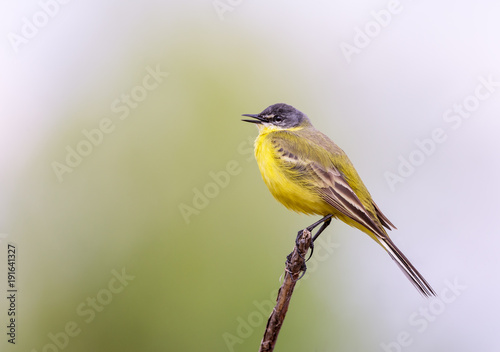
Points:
[(119, 252)]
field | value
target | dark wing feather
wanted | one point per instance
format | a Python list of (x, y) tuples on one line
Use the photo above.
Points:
[(382, 218), (337, 192)]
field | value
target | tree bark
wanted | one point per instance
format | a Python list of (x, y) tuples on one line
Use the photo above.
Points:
[(294, 269)]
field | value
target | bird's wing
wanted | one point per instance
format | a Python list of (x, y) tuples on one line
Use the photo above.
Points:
[(383, 219), (313, 163), (337, 192)]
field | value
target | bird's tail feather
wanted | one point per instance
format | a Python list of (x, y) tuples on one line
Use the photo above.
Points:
[(408, 269)]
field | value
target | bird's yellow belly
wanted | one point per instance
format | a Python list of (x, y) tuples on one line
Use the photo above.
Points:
[(296, 195)]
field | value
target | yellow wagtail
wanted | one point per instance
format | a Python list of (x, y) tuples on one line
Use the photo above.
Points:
[(310, 174)]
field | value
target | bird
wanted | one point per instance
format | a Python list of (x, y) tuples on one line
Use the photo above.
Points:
[(308, 173)]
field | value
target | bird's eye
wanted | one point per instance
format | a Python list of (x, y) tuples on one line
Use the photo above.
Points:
[(277, 118)]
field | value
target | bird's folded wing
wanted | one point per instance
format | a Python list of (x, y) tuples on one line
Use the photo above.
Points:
[(336, 191)]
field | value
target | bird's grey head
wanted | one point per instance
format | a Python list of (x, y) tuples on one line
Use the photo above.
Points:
[(281, 116)]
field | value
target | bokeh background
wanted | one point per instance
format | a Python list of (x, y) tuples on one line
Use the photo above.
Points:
[(159, 234)]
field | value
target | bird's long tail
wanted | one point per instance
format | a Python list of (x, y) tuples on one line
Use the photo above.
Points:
[(408, 269)]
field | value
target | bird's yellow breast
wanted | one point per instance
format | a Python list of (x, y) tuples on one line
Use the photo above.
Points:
[(295, 193)]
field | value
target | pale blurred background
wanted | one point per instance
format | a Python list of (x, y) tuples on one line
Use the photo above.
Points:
[(166, 82)]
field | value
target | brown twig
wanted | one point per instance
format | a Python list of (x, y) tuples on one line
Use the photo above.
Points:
[(295, 264)]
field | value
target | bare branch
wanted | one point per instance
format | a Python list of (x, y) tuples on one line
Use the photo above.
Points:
[(295, 265)]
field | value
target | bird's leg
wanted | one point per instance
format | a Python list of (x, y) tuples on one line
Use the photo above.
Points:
[(322, 228), (325, 221)]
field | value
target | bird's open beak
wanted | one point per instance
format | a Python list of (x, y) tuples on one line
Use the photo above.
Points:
[(258, 120)]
